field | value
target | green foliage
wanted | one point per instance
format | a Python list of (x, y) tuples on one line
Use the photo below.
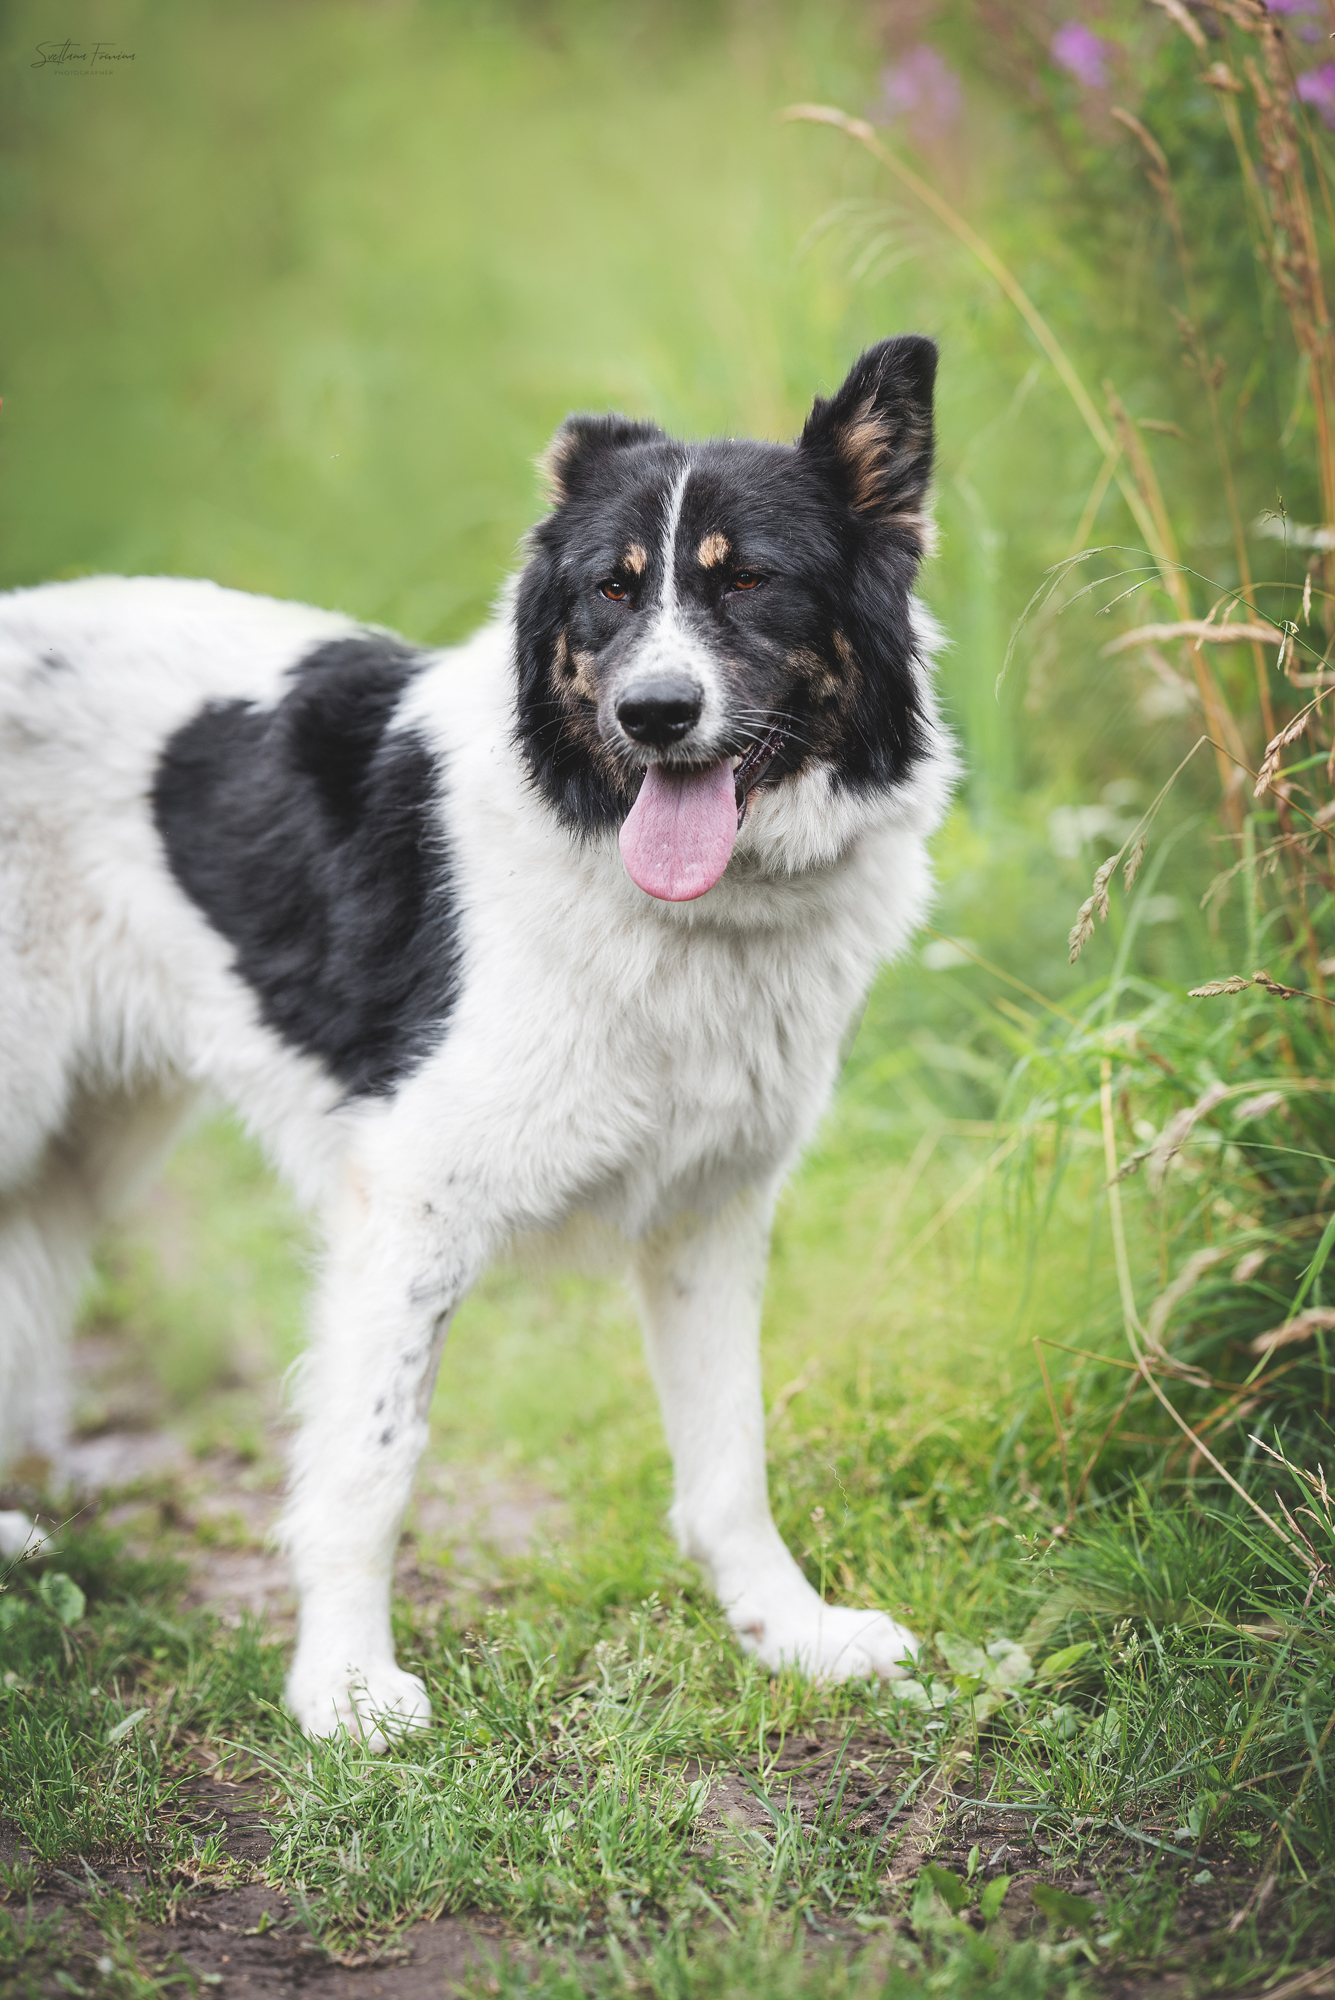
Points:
[(1063, 1910), (943, 1882), (62, 1597)]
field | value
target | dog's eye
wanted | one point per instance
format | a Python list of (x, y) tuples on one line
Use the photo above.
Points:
[(613, 588), (747, 579)]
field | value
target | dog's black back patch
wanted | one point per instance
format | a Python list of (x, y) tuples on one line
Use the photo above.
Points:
[(308, 835)]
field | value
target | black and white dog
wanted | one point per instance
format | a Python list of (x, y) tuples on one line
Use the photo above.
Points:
[(552, 935)]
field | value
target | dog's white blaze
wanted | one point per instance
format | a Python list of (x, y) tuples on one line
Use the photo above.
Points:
[(669, 644), (667, 603)]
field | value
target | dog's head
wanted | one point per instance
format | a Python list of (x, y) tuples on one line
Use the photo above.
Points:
[(703, 623)]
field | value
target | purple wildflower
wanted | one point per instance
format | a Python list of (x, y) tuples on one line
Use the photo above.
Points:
[(1317, 88), (925, 89), (1306, 28), (1084, 54)]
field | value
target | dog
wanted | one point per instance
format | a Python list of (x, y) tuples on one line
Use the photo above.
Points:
[(552, 935)]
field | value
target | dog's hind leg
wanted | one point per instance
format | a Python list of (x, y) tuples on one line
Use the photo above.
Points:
[(108, 1148), (43, 1265), (700, 1285)]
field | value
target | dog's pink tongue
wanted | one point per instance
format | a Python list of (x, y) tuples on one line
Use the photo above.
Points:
[(679, 833)]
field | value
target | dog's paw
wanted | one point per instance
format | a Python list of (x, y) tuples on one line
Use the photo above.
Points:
[(830, 1643), (374, 1704)]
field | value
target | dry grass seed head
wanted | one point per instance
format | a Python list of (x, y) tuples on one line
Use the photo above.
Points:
[(1161, 1311), (1191, 28), (1301, 1327), (1258, 1107), (1176, 1133), (1288, 734), (1082, 930), (1235, 983), (1133, 861)]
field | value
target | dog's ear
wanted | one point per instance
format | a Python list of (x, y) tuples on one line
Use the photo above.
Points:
[(874, 436), (583, 444)]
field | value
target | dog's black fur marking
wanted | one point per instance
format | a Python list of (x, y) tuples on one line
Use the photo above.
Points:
[(308, 835), (826, 645), (610, 478)]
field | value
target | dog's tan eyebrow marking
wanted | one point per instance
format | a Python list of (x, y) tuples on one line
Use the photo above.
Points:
[(636, 558), (714, 549)]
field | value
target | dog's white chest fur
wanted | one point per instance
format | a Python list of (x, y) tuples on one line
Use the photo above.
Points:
[(627, 1058)]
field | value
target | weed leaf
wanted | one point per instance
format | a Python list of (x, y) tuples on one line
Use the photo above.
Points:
[(1062, 1660), (992, 1898), (126, 1724), (962, 1657), (1060, 1908), (62, 1597), (947, 1885)]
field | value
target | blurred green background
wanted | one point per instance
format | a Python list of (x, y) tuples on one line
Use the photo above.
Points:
[(294, 298)]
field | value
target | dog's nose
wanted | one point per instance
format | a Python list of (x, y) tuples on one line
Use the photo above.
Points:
[(661, 710)]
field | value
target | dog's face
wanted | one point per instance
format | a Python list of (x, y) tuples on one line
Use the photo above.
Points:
[(730, 607)]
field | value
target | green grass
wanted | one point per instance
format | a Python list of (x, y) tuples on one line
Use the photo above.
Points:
[(581, 1732)]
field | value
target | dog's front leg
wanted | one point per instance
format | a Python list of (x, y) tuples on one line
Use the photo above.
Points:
[(364, 1392), (700, 1286)]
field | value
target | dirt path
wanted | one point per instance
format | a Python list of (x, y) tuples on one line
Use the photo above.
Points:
[(246, 1941)]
